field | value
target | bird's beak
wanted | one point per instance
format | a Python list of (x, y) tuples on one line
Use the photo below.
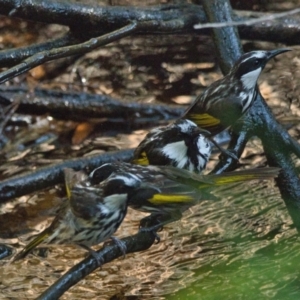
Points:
[(198, 130), (276, 52)]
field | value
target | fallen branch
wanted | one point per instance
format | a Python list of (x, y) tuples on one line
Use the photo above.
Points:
[(53, 174), (45, 56), (98, 20), (14, 56), (83, 106), (138, 242)]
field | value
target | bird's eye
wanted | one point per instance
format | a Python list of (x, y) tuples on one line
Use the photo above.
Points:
[(256, 62)]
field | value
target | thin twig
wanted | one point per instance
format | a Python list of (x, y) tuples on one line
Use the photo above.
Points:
[(10, 57), (271, 17), (138, 242), (7, 114), (56, 53), (85, 106)]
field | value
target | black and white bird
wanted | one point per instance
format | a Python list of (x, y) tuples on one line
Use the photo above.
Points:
[(227, 99), (166, 192), (180, 144), (90, 215)]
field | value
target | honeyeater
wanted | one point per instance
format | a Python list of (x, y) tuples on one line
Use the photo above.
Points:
[(180, 144), (226, 100), (166, 192), (90, 214)]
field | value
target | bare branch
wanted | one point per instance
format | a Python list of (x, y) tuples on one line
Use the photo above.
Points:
[(51, 175), (13, 56), (82, 48), (83, 106), (98, 20), (138, 242), (271, 17)]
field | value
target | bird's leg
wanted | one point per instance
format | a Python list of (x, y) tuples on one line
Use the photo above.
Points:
[(155, 222), (152, 224), (93, 253), (224, 151), (121, 245)]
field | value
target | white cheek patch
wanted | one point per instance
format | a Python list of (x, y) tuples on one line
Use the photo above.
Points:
[(113, 203), (205, 149), (204, 146), (129, 181), (176, 151), (249, 79)]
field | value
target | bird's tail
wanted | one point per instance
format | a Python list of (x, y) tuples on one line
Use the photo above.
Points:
[(206, 181), (35, 242), (243, 175)]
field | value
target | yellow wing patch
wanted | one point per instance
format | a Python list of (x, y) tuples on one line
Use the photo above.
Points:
[(142, 159), (38, 240), (226, 179), (169, 199), (203, 120), (234, 178)]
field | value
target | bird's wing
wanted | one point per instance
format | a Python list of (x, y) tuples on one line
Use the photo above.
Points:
[(213, 113), (172, 195), (204, 181), (35, 242)]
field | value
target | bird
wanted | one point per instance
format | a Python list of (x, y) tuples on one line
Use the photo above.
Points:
[(166, 192), (180, 144), (89, 215), (227, 99)]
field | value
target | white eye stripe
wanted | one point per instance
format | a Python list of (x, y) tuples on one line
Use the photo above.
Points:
[(186, 126), (255, 54), (130, 180), (91, 175)]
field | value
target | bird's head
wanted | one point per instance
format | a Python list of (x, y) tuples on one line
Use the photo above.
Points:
[(249, 66), (101, 173), (189, 128), (120, 183)]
